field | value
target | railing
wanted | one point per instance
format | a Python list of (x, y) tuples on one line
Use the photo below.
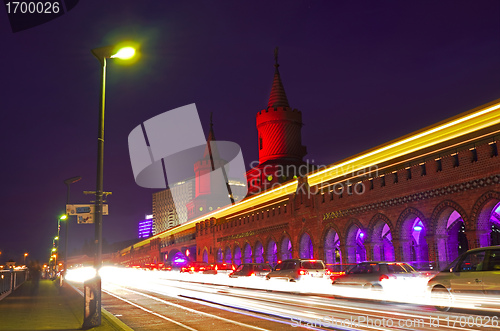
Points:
[(10, 280)]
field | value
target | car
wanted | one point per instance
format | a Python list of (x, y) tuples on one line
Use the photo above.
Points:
[(371, 274), (199, 267), (251, 269), (298, 269), (335, 270), (476, 271), (224, 268)]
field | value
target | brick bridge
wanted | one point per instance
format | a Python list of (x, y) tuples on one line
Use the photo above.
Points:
[(425, 197)]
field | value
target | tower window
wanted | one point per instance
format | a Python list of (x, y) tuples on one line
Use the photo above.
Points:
[(439, 165), (474, 155), (260, 143), (494, 150)]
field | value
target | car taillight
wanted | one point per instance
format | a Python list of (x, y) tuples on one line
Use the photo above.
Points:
[(252, 274), (192, 268), (383, 277), (303, 272), (328, 273)]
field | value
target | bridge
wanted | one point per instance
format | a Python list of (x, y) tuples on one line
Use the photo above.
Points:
[(424, 198)]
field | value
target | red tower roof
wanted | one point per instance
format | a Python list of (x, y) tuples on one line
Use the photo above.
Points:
[(278, 96)]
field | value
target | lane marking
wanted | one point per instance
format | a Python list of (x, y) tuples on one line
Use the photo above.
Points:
[(190, 309), (150, 311)]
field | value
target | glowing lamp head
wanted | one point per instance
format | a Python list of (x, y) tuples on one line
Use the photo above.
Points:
[(418, 228), (124, 53), (63, 217), (361, 234)]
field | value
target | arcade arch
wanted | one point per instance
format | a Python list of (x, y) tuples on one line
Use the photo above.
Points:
[(356, 251), (333, 254), (381, 239), (306, 249)]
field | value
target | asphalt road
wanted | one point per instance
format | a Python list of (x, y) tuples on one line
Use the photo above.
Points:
[(154, 303)]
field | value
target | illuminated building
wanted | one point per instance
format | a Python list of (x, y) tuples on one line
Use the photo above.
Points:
[(164, 212), (145, 227)]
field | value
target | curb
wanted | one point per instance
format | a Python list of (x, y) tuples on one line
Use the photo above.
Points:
[(112, 319), (115, 321)]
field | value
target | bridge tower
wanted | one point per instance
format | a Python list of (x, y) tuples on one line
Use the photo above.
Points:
[(279, 139), (208, 179)]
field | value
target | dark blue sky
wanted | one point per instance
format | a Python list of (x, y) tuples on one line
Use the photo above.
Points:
[(362, 73)]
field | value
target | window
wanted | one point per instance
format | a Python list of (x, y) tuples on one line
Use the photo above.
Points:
[(289, 265), (494, 263), (472, 262), (312, 265), (494, 150), (260, 267), (365, 268), (395, 269), (423, 169), (439, 165), (455, 160), (260, 143), (474, 155)]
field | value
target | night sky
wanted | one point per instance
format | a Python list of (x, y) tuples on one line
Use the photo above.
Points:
[(361, 72)]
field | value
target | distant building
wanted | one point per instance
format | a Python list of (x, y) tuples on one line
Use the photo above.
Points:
[(165, 215), (145, 228)]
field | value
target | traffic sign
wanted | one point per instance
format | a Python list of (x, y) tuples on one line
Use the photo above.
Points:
[(84, 213)]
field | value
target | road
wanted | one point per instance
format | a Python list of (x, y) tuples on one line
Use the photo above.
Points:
[(153, 301)]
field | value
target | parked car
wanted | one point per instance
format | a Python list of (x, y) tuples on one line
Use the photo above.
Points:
[(297, 269), (371, 274), (199, 267), (251, 269), (477, 271)]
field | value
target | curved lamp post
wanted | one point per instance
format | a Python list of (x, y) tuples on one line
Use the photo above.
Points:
[(92, 312)]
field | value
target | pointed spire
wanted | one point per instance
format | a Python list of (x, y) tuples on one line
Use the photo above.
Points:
[(278, 96), (211, 153)]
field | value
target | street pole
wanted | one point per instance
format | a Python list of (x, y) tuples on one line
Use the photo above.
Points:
[(92, 288), (68, 182)]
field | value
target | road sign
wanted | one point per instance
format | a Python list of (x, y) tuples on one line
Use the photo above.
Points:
[(84, 213)]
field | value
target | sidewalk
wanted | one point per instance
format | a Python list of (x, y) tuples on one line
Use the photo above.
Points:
[(49, 308)]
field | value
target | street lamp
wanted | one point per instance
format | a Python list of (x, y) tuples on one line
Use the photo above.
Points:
[(92, 315), (25, 256), (62, 218)]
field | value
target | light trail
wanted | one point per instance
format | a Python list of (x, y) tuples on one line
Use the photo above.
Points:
[(300, 304)]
